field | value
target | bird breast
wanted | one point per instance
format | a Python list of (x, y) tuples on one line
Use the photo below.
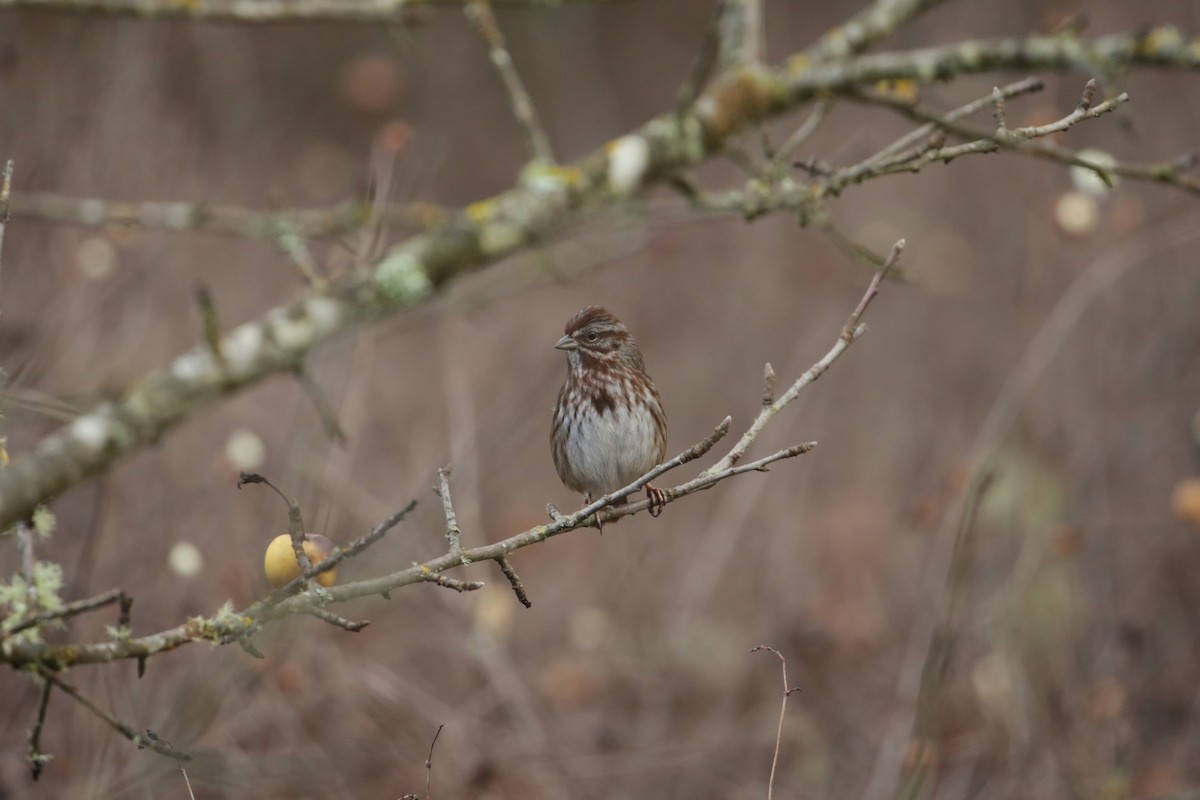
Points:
[(607, 445)]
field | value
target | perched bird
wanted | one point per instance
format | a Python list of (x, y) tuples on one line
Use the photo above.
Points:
[(609, 425)]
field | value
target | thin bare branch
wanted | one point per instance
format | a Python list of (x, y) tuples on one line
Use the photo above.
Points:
[(787, 692), (480, 13), (148, 742), (429, 763), (514, 580), (801, 135), (324, 408), (37, 759), (450, 583), (857, 250), (852, 323), (705, 64), (1009, 91), (67, 611), (220, 219), (453, 534), (1019, 139), (325, 615), (849, 334)]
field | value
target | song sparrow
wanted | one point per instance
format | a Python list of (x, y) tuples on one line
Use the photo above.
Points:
[(609, 425)]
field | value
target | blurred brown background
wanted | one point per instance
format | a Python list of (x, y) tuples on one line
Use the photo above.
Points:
[(631, 677)]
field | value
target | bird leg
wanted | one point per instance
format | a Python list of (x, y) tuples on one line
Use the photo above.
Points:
[(595, 523), (657, 498)]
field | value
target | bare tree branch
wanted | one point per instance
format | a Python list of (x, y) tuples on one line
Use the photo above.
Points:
[(515, 220), (148, 742), (230, 626)]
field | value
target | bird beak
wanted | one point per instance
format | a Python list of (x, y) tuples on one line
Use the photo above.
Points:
[(565, 343)]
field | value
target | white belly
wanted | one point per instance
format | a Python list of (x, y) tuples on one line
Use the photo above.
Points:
[(609, 450)]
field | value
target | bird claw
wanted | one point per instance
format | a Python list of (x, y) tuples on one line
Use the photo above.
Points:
[(657, 498), (594, 522)]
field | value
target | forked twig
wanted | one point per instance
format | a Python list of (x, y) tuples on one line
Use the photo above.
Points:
[(429, 763), (849, 334), (787, 691)]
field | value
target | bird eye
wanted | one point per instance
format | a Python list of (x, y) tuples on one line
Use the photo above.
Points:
[(592, 336)]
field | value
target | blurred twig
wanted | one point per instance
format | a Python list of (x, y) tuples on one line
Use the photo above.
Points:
[(790, 145), (5, 202), (480, 13), (143, 742), (154, 737), (263, 11), (704, 65), (289, 237), (223, 219), (68, 610), (944, 636), (877, 21), (28, 562), (324, 409), (740, 35)]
